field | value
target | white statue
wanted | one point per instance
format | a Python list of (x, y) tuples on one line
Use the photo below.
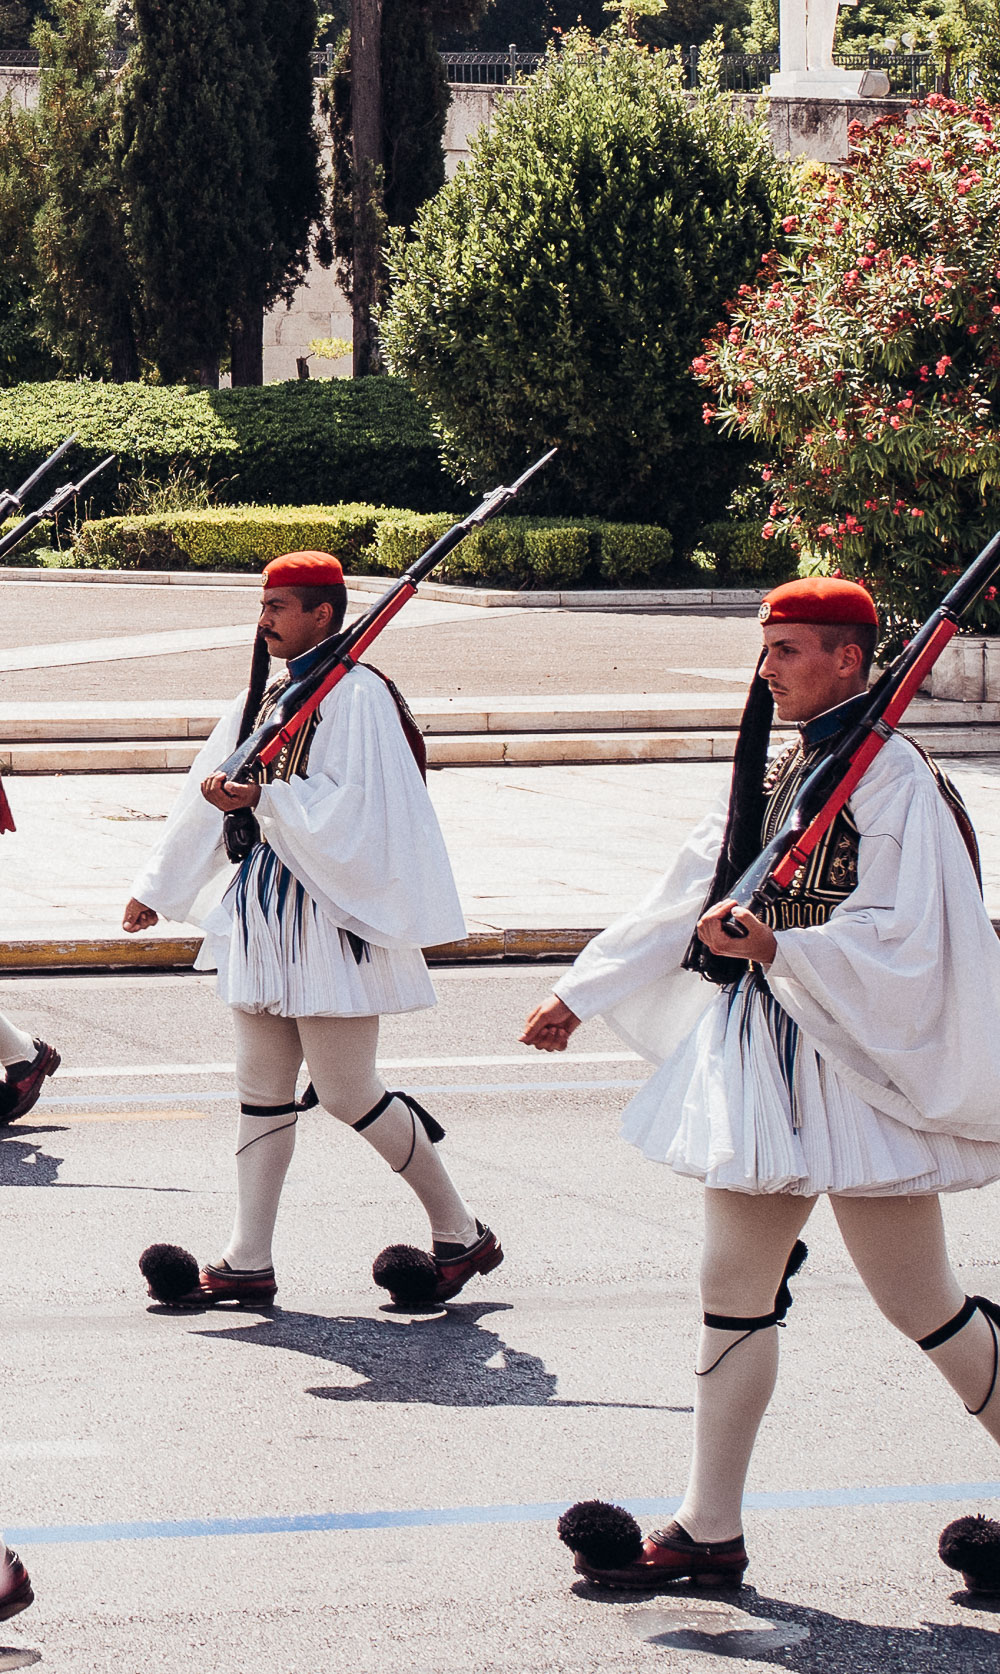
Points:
[(806, 29)]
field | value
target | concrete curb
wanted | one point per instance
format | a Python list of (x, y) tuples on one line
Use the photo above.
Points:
[(652, 598), (114, 953)]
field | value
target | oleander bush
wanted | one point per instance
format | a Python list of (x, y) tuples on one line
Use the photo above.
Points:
[(506, 552), (867, 362), (314, 441)]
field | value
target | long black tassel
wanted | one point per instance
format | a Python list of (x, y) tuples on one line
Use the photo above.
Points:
[(741, 843), (240, 831)]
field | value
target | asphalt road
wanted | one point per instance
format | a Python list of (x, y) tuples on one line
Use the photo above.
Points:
[(491, 653), (337, 1489)]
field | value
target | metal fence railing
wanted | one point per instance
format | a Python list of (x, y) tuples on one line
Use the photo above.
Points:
[(911, 74), (489, 69)]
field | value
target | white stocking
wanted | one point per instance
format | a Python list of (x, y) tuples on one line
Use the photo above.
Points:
[(15, 1046), (264, 1146)]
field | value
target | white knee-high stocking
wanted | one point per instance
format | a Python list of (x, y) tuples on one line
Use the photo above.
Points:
[(398, 1135), (15, 1046), (264, 1146), (736, 1379)]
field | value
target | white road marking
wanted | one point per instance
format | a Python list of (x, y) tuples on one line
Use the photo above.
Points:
[(109, 1072)]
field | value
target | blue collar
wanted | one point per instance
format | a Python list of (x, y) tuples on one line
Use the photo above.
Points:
[(298, 666), (824, 727)]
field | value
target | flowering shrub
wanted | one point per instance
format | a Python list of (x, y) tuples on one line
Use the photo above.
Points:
[(868, 360)]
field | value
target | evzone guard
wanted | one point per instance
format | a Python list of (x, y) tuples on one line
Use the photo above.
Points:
[(848, 1044), (316, 935)]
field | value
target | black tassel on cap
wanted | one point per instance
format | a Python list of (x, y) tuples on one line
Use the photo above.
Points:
[(972, 1545), (741, 843), (606, 1536)]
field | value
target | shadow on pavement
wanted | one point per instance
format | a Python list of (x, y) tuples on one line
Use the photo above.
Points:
[(23, 1163), (798, 1637), (445, 1360)]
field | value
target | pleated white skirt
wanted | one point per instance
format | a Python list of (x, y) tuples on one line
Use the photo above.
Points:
[(283, 955), (725, 1109)]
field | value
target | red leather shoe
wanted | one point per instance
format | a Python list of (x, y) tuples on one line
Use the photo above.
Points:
[(218, 1282), (670, 1555), (15, 1587), (455, 1271), (24, 1081)]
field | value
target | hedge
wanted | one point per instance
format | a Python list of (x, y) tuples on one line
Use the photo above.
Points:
[(228, 537), (518, 552), (314, 441), (533, 551), (24, 553)]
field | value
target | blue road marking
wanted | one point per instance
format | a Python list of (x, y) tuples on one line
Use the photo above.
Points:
[(336, 1522)]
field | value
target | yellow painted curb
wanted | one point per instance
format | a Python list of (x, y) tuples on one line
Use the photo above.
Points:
[(128, 953)]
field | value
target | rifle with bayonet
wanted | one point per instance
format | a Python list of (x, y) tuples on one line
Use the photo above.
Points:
[(299, 701), (12, 501), (830, 784), (54, 505)]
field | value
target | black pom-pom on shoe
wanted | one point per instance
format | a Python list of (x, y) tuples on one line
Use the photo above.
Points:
[(169, 1272), (972, 1545), (605, 1536), (408, 1274)]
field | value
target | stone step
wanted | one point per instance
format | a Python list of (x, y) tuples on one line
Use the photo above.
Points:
[(480, 749), (154, 720)]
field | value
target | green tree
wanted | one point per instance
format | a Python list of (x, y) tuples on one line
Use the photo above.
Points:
[(198, 171), (556, 289), (293, 180), (868, 362), (17, 20), (387, 148), (85, 285), (23, 356), (530, 24)]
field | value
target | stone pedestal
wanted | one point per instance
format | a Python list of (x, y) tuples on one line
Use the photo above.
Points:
[(967, 671), (816, 84)]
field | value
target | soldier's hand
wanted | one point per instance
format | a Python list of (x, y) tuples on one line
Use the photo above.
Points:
[(758, 944), (550, 1026), (225, 794), (139, 917)]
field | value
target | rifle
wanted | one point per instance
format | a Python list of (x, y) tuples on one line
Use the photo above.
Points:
[(830, 784), (52, 506), (304, 696), (12, 501)]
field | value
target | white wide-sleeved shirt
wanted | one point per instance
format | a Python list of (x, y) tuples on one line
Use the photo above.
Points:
[(896, 1079), (358, 834)]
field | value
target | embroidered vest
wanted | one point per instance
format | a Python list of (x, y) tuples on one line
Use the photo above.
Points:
[(831, 872)]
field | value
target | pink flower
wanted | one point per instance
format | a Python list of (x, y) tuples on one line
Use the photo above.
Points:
[(990, 594), (790, 224), (767, 531), (824, 531), (943, 365), (895, 422), (915, 511)]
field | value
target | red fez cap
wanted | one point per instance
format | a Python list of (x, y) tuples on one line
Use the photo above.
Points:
[(303, 569), (822, 599)]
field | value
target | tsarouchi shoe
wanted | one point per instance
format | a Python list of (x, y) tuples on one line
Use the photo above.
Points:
[(609, 1551), (23, 1083), (218, 1282), (415, 1279), (15, 1587), (455, 1270)]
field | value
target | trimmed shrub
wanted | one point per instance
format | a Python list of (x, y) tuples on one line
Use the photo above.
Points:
[(228, 537), (506, 552), (24, 554), (532, 551), (315, 441)]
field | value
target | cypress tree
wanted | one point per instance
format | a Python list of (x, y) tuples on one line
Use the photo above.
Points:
[(294, 184), (198, 171), (85, 285)]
